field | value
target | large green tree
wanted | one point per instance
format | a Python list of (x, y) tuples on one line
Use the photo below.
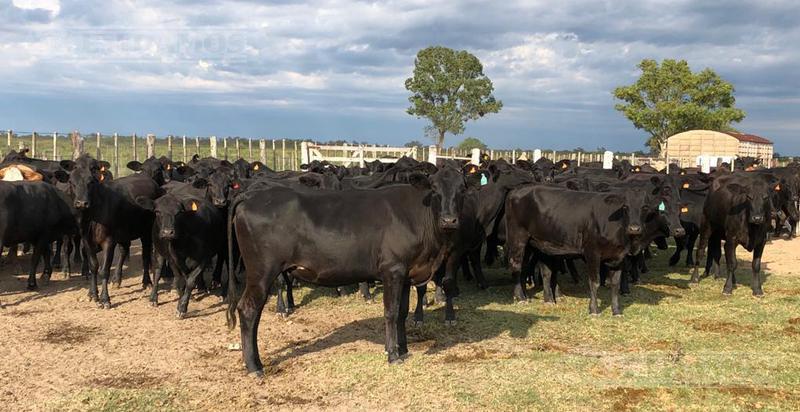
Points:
[(449, 88), (472, 143), (669, 99)]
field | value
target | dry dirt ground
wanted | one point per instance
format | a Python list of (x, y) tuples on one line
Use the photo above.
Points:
[(679, 346)]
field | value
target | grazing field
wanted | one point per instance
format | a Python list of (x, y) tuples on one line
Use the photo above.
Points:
[(678, 346)]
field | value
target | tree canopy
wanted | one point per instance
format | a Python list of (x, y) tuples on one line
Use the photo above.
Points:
[(471, 143), (668, 99), (449, 88)]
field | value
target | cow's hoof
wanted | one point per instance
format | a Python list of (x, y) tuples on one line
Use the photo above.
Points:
[(418, 323), (259, 374), (450, 322), (31, 286), (154, 304), (549, 303), (180, 315), (727, 293), (522, 302), (617, 315), (396, 361), (758, 295), (104, 305)]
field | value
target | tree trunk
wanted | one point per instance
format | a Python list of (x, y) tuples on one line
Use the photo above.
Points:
[(440, 140)]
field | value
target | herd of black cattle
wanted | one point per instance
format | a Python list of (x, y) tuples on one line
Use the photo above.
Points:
[(400, 224)]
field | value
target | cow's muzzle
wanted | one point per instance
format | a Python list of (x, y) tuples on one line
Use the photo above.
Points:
[(81, 204), (634, 229), (167, 234), (679, 232), (448, 222), (757, 219)]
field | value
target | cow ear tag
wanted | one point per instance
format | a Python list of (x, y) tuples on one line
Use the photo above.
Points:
[(662, 207), (102, 177), (777, 188), (255, 167), (484, 180), (235, 186), (194, 207)]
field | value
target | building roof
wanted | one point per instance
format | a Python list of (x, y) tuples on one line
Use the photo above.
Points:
[(744, 137)]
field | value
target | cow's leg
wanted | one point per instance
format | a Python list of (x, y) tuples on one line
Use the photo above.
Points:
[(280, 306), (593, 270), (124, 252), (250, 306), (147, 253), (731, 263), (109, 247), (465, 267), (518, 255), (635, 266), (87, 261), (624, 285), (289, 279), (37, 254), (402, 315), (363, 287), (757, 281), (419, 312), (701, 249), (573, 272), (691, 238), (216, 276), (394, 280), (191, 279), (56, 262), (614, 278), (680, 244), (641, 264), (47, 251), (547, 291), (160, 263), (474, 258), (91, 266), (450, 289), (715, 253)]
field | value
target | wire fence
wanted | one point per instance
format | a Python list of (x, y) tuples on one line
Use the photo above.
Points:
[(278, 154)]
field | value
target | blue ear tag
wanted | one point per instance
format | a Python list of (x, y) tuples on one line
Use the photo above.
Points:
[(662, 207), (484, 180)]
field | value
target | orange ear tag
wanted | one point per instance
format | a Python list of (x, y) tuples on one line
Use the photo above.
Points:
[(255, 167), (194, 207), (684, 209), (777, 188), (686, 185), (102, 177)]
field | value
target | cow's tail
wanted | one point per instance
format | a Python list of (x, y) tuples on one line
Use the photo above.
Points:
[(234, 287)]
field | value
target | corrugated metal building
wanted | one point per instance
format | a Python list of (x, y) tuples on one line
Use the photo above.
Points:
[(686, 147)]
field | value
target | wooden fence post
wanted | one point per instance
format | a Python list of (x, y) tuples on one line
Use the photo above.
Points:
[(283, 154), (197, 145), (249, 149), (33, 144), (294, 157), (151, 146), (262, 149), (135, 155), (183, 138), (225, 146), (77, 144), (97, 146), (238, 151), (55, 146), (169, 146), (8, 137), (274, 156), (212, 141), (116, 155)]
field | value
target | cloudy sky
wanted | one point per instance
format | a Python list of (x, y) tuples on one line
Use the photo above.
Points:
[(335, 69)]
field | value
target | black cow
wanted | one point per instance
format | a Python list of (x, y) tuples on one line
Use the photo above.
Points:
[(35, 213), (601, 228), (111, 214), (401, 236), (738, 210), (188, 232), (152, 168)]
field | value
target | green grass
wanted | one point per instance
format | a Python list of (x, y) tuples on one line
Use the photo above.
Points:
[(678, 346), (120, 400)]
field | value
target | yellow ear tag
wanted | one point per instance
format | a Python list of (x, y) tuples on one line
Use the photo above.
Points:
[(563, 165), (777, 188), (102, 177), (686, 185), (194, 207), (102, 168), (684, 209), (255, 167)]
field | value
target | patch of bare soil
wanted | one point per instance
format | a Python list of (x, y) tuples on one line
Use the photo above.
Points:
[(628, 399), (68, 333), (713, 326), (126, 380)]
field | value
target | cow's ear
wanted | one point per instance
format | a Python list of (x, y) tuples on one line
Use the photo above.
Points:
[(613, 199), (195, 158), (104, 165), (572, 185), (185, 170), (225, 163), (310, 180), (200, 183), (145, 203), (304, 166), (67, 165), (256, 166), (419, 180), (473, 181), (134, 165), (61, 176)]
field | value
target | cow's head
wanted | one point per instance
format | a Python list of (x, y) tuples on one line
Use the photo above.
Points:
[(447, 189), (669, 207), (169, 209), (151, 167), (83, 178), (219, 183), (754, 198)]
